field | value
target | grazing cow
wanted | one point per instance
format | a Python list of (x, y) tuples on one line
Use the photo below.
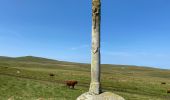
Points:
[(71, 84), (168, 91), (163, 83), (51, 74), (5, 67)]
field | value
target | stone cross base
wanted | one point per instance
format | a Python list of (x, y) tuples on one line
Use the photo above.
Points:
[(102, 96)]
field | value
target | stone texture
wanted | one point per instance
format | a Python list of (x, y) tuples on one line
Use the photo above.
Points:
[(95, 53), (102, 96)]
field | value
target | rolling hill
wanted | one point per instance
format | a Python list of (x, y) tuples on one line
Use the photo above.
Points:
[(27, 78)]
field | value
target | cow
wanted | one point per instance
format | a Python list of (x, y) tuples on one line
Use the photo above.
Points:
[(163, 83), (168, 91), (71, 83), (51, 74)]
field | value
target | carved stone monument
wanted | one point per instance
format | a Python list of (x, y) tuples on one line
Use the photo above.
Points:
[(95, 92)]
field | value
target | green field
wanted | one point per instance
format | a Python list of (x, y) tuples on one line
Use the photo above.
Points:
[(27, 78)]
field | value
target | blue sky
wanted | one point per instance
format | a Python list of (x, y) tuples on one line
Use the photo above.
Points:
[(133, 32)]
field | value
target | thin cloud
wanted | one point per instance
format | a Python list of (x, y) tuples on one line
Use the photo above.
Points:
[(117, 53), (135, 54), (80, 47), (8, 33)]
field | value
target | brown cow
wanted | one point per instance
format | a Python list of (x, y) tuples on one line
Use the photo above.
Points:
[(51, 74), (163, 83), (168, 91), (71, 83)]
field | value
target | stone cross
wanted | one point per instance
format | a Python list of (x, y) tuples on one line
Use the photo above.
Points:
[(95, 92), (95, 53)]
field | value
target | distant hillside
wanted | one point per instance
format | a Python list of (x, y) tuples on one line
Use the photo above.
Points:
[(27, 58), (2, 58), (33, 59), (30, 59), (26, 77)]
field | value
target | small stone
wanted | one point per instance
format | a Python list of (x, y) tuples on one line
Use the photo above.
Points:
[(40, 99), (18, 72), (102, 96)]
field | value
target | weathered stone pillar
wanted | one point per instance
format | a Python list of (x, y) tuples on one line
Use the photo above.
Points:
[(95, 53), (95, 88)]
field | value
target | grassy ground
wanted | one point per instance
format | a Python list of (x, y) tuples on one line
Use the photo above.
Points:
[(33, 81)]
